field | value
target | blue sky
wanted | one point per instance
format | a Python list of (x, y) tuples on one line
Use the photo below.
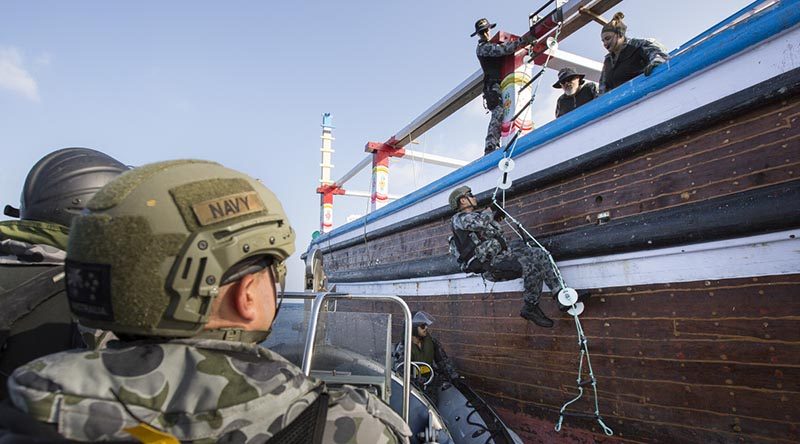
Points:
[(245, 83)]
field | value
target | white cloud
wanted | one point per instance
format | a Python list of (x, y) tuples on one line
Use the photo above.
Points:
[(14, 77)]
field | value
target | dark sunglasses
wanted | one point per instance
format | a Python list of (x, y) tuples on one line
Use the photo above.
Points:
[(244, 267), (565, 81)]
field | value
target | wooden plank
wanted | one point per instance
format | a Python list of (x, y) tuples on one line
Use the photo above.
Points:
[(743, 298), (764, 404), (684, 362), (765, 328), (690, 418), (768, 329), (769, 162), (525, 418), (699, 350), (769, 379), (730, 134)]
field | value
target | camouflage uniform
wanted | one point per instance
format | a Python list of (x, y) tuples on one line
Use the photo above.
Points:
[(490, 55), (31, 242), (195, 390), (35, 320), (504, 263), (195, 383)]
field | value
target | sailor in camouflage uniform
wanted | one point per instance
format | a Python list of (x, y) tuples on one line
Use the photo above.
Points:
[(180, 259), (35, 320), (490, 55), (483, 249)]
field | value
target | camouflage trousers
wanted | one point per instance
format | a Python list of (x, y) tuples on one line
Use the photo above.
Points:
[(495, 122), (531, 264)]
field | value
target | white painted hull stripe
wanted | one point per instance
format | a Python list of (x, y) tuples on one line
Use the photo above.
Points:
[(763, 255)]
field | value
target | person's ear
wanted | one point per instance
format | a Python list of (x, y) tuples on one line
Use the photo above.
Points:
[(245, 297)]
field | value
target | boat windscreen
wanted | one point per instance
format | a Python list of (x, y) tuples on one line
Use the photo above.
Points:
[(347, 343)]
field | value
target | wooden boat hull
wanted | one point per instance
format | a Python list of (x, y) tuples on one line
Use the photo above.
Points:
[(694, 323)]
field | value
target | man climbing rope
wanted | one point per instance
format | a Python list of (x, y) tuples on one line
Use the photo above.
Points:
[(490, 55), (479, 246)]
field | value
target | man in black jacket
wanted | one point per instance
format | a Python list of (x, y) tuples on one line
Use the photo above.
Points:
[(577, 91), (627, 57)]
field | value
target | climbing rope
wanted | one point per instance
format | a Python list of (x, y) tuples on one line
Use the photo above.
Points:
[(566, 296), (552, 44), (581, 383)]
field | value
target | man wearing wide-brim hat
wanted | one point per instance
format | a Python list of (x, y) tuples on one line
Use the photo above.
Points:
[(577, 91), (491, 56)]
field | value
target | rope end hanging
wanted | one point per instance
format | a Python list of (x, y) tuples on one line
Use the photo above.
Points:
[(606, 429)]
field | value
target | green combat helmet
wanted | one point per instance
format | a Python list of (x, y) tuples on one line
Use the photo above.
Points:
[(456, 194), (149, 254)]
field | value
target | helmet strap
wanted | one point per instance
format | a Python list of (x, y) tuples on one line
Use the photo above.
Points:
[(234, 335)]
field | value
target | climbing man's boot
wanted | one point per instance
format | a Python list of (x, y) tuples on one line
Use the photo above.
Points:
[(534, 314)]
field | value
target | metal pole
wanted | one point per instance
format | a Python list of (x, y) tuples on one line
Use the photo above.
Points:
[(380, 180), (326, 200), (355, 170)]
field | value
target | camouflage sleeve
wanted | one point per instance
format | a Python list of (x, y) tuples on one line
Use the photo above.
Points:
[(499, 49), (474, 221), (357, 417), (95, 339)]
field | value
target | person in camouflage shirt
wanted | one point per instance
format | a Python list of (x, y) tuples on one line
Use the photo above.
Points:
[(35, 320), (490, 55), (496, 260), (181, 260), (627, 57)]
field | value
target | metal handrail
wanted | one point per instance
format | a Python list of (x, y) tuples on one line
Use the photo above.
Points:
[(319, 298)]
